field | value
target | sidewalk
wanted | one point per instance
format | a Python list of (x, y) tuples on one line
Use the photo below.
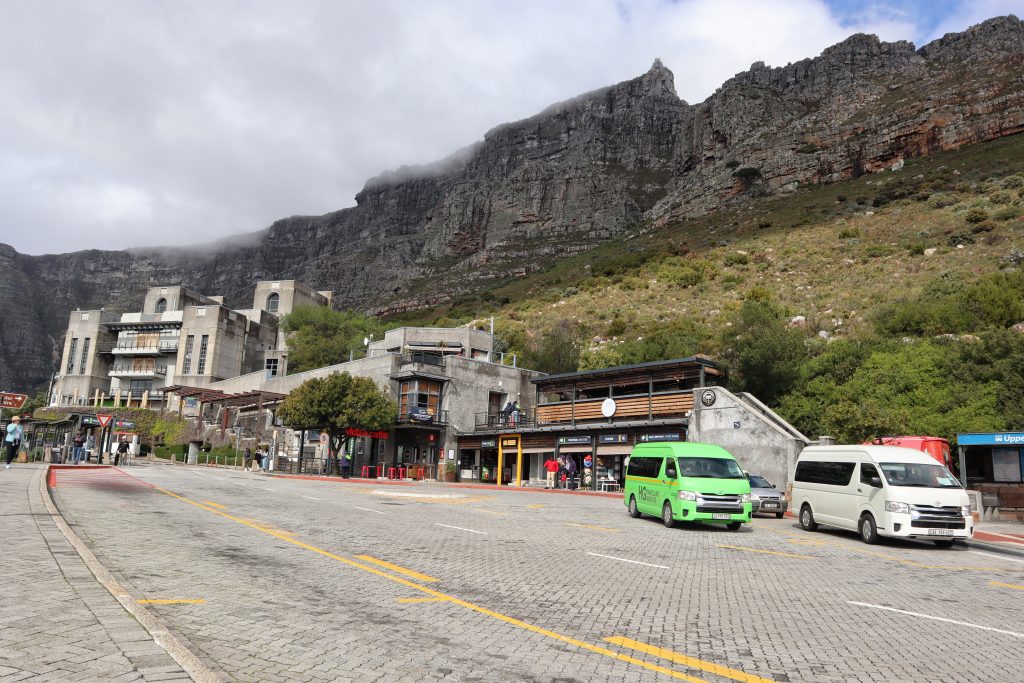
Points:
[(1002, 536), (58, 623)]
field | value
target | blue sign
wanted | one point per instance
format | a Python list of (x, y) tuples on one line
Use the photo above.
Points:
[(994, 439)]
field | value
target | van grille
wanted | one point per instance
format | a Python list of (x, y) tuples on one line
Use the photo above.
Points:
[(936, 517), (709, 503)]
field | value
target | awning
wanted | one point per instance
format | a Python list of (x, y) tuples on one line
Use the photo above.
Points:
[(614, 450), (539, 449), (576, 449)]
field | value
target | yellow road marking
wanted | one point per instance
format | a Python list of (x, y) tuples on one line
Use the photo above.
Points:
[(395, 568), (1006, 585), (691, 662), (214, 505), (592, 526), (420, 600), (767, 552), (171, 602), (451, 598), (493, 512), (805, 541), (536, 506)]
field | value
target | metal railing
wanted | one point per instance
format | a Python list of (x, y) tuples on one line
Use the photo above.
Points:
[(423, 416), (163, 346), (501, 420), (122, 369), (425, 357)]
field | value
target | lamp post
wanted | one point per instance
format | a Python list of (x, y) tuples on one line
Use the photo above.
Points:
[(49, 390)]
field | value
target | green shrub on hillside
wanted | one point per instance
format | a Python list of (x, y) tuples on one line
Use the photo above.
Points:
[(682, 272)]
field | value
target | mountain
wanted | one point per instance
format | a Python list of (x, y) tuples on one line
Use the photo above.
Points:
[(609, 164)]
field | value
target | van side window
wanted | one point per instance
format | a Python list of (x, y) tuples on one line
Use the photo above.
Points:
[(644, 467), (867, 472), (831, 473)]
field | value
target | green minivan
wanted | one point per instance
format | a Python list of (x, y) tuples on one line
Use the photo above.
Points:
[(690, 482)]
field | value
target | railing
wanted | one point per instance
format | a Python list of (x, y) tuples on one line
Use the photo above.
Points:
[(500, 420), (131, 370), (425, 357), (655, 406), (167, 346), (423, 416)]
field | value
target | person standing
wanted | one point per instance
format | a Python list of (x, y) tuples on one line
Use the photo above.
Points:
[(570, 472), (12, 439), (346, 464), (78, 447), (247, 459), (122, 450), (551, 467)]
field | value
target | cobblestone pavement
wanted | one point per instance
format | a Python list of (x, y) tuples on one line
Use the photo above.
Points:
[(57, 623), (325, 581)]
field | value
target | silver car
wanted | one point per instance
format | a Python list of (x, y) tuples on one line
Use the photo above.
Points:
[(764, 497)]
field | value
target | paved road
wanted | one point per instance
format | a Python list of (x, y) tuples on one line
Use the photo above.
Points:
[(289, 580)]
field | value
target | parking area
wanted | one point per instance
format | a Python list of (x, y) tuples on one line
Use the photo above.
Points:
[(275, 579)]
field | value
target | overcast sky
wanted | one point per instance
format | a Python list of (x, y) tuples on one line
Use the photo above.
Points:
[(138, 123)]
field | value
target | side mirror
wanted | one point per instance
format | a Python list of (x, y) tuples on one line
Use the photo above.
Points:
[(876, 482), (670, 472)]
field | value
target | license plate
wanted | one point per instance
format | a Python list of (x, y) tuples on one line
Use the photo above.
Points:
[(769, 506), (940, 532), (721, 515)]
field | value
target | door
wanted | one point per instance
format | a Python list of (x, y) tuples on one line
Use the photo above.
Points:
[(871, 495), (844, 506)]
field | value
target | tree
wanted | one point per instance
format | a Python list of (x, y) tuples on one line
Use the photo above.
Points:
[(318, 336), (337, 402), (556, 350)]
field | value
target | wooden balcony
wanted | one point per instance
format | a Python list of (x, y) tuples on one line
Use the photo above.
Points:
[(627, 409)]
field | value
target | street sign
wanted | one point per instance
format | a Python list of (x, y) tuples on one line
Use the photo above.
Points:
[(104, 419), (13, 401)]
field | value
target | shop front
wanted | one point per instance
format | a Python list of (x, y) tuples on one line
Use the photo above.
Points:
[(993, 464), (417, 450)]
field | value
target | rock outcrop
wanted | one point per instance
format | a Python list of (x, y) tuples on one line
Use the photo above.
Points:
[(591, 169)]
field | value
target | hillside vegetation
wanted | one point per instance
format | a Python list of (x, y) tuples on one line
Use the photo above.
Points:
[(886, 304)]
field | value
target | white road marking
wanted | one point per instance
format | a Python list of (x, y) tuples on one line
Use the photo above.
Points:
[(461, 528), (369, 510), (239, 483), (928, 616), (268, 489), (413, 494), (200, 474), (622, 559), (311, 498), (997, 555)]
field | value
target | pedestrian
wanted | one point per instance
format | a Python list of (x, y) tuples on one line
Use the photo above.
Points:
[(90, 444), (247, 459), (78, 447), (551, 467), (346, 464), (561, 470), (122, 450), (506, 413), (265, 459), (12, 439), (570, 472), (515, 412)]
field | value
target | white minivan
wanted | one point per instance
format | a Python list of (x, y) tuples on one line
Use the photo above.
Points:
[(880, 491)]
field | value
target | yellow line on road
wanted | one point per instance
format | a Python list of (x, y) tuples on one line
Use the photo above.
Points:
[(171, 602), (592, 526), (692, 662), (451, 598), (214, 505), (767, 552), (395, 568), (536, 506), (493, 512), (1006, 585), (420, 600)]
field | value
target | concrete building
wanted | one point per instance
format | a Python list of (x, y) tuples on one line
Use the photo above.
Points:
[(178, 337)]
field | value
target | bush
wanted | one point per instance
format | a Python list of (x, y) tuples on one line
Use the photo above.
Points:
[(747, 173), (732, 163), (849, 233), (735, 258), (1012, 181), (1001, 197), (678, 272), (976, 216), (1007, 213)]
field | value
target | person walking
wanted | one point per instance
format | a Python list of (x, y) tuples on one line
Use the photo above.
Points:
[(122, 450), (12, 439), (247, 458), (570, 472), (78, 447), (551, 467)]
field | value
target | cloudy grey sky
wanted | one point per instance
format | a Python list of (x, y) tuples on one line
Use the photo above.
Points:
[(129, 123)]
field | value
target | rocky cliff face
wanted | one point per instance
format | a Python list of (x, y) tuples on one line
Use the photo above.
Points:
[(591, 169)]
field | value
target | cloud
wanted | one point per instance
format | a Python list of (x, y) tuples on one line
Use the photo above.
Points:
[(130, 124)]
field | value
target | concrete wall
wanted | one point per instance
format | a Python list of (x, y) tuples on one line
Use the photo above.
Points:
[(398, 339), (84, 379), (759, 444), (177, 298)]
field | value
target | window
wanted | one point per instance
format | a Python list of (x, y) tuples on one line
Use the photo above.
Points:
[(71, 357), (85, 356), (867, 471), (271, 367), (644, 467), (919, 475), (186, 367), (421, 394), (710, 468), (161, 305), (273, 299), (831, 473), (201, 369)]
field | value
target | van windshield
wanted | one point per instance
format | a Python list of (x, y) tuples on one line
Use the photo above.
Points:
[(914, 474), (710, 468)]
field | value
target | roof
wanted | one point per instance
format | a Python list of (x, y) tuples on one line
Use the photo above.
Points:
[(202, 393), (625, 369)]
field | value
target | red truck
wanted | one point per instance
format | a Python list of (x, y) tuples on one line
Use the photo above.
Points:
[(934, 446)]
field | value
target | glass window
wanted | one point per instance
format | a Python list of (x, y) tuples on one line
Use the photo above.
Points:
[(85, 356), (161, 305), (644, 467), (71, 356), (202, 354), (759, 482), (867, 471), (273, 300), (831, 473), (271, 367), (710, 468), (186, 367), (420, 394), (918, 475)]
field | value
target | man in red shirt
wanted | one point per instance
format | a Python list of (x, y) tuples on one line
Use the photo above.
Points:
[(551, 467)]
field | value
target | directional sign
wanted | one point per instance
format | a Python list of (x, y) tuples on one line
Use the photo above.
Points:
[(104, 419), (13, 401)]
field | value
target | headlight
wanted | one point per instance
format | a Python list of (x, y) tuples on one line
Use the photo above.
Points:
[(754, 496), (965, 510), (890, 506), (687, 495), (745, 498), (782, 497)]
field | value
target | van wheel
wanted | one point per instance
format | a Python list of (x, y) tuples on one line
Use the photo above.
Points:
[(634, 512), (778, 515), (666, 515), (944, 542), (733, 526), (807, 522), (868, 530)]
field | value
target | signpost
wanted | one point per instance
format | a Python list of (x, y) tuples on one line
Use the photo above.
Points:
[(12, 401)]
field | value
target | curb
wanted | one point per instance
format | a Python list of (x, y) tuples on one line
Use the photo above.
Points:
[(188, 660)]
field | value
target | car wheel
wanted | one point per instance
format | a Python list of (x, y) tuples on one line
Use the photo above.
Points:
[(868, 530), (944, 542), (807, 522), (733, 526), (778, 515), (666, 515), (634, 511)]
